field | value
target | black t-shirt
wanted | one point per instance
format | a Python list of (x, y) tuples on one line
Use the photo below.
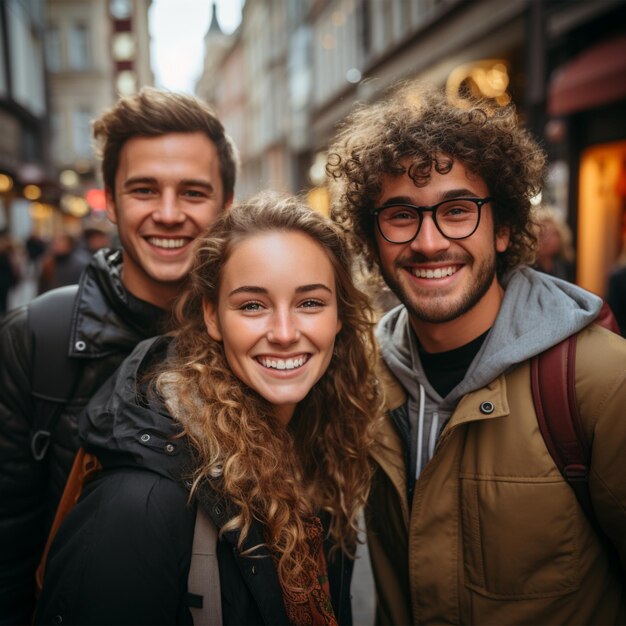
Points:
[(445, 370)]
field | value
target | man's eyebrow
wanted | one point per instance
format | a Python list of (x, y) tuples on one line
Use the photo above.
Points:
[(462, 192), (450, 194), (196, 182), (185, 182), (139, 180), (263, 290)]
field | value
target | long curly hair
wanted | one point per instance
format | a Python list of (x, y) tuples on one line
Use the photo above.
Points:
[(276, 475), (415, 129)]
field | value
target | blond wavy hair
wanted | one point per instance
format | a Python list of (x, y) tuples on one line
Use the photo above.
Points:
[(278, 476)]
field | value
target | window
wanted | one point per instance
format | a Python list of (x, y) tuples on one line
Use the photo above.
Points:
[(53, 49), (365, 14), (81, 129), (78, 47)]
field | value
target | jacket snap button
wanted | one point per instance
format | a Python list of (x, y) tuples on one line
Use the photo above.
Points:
[(217, 510), (80, 346), (169, 447), (58, 619), (487, 408), (253, 570), (145, 437)]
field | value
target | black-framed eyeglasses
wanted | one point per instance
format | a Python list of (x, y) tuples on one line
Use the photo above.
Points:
[(457, 218)]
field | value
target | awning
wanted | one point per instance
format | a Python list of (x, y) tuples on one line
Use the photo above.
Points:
[(595, 77)]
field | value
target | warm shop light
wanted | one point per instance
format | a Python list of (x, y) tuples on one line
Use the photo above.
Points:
[(32, 192), (69, 179), (39, 211), (487, 78), (6, 183), (74, 205)]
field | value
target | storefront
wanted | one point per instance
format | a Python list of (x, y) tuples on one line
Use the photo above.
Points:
[(587, 99)]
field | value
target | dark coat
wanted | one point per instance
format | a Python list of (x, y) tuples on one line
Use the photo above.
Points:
[(616, 297), (123, 554), (107, 323)]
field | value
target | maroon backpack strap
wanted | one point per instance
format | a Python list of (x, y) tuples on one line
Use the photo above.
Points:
[(607, 319), (554, 395)]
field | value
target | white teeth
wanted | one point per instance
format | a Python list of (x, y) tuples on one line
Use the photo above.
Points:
[(166, 243), (440, 272), (280, 364)]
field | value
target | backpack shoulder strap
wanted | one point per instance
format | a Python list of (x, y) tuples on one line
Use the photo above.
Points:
[(554, 395), (84, 467), (203, 583), (54, 372), (553, 382), (607, 319)]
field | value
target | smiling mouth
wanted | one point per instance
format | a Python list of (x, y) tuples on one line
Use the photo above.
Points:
[(283, 364), (439, 272), (169, 244)]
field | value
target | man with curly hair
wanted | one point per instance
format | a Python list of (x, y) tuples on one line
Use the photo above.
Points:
[(469, 519)]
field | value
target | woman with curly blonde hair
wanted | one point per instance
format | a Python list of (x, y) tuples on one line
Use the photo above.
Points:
[(259, 409)]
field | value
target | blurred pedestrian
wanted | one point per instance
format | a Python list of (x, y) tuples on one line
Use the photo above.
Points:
[(97, 234), (470, 520), (616, 296), (9, 272), (555, 252), (63, 263), (35, 248), (169, 170)]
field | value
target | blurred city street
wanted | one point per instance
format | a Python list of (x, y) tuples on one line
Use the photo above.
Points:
[(279, 78)]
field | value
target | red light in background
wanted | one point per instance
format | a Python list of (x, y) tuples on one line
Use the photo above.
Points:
[(96, 199)]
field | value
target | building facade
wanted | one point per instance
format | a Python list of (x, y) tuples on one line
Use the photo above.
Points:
[(304, 63), (95, 52), (24, 159)]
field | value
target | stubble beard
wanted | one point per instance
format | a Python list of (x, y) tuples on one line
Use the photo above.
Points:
[(422, 306)]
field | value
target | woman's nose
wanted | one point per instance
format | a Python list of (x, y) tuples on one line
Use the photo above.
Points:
[(283, 329)]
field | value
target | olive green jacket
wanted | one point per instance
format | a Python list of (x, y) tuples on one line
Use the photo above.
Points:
[(494, 534)]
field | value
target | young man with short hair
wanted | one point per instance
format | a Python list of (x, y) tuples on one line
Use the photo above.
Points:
[(469, 519), (169, 169)]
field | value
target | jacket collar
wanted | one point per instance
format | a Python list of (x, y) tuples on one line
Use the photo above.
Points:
[(106, 318)]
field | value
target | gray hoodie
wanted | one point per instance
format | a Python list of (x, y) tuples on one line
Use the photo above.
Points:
[(537, 312)]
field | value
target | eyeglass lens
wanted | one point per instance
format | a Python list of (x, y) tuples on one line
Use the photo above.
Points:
[(455, 219)]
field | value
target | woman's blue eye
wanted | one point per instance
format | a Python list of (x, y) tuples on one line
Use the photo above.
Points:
[(312, 303)]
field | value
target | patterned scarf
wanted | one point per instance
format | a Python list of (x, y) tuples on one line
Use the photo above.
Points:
[(313, 607)]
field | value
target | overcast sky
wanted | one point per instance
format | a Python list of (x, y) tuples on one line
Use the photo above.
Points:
[(178, 28)]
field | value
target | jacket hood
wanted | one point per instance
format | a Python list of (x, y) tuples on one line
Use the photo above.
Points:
[(126, 429), (101, 324), (537, 312)]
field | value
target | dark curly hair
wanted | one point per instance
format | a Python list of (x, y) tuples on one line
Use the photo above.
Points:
[(417, 123)]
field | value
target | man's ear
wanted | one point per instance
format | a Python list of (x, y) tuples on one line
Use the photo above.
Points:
[(503, 238), (229, 201), (110, 205), (211, 320)]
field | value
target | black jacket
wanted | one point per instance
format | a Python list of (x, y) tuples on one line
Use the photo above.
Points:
[(122, 556), (616, 297), (107, 323)]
